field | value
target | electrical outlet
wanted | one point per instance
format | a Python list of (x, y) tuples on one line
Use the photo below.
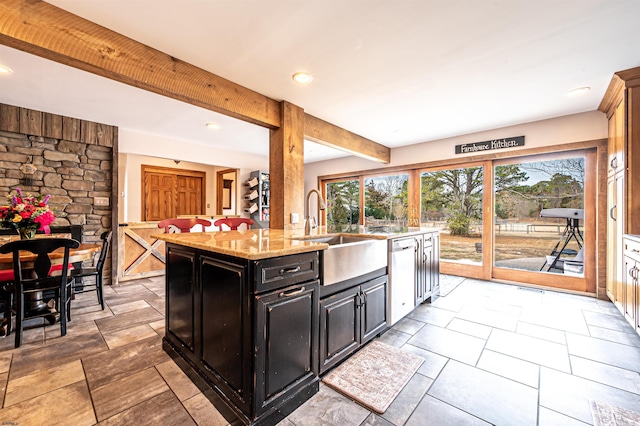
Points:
[(295, 218), (100, 201)]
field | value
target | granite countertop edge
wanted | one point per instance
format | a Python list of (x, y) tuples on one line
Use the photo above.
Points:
[(259, 244)]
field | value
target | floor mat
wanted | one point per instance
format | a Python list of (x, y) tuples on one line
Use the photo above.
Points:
[(605, 414), (375, 375)]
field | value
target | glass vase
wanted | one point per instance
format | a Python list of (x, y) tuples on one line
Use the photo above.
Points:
[(27, 233)]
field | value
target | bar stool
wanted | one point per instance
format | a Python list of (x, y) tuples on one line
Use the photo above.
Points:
[(177, 225), (233, 222)]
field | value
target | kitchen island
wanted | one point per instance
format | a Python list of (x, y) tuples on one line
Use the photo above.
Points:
[(242, 319), (248, 319)]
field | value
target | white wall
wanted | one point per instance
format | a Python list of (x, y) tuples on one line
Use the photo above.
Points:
[(562, 130), (136, 149), (556, 131)]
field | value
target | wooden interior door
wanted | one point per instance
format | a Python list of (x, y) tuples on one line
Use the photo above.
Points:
[(171, 192), (159, 191), (189, 195)]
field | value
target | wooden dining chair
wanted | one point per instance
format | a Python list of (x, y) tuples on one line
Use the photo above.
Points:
[(95, 271), (31, 278), (176, 225), (233, 222)]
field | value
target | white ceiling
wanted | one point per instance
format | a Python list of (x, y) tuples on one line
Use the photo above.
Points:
[(398, 72)]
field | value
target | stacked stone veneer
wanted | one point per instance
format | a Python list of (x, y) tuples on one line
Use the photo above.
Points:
[(75, 162)]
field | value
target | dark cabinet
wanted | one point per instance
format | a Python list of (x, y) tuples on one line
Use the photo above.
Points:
[(248, 328), (339, 326), (225, 352), (427, 268), (287, 338), (180, 318), (373, 308), (351, 318)]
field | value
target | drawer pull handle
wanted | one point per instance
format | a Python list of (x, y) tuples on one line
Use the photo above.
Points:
[(293, 293), (290, 270)]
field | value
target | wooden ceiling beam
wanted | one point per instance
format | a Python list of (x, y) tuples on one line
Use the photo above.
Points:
[(324, 133), (47, 31), (44, 30)]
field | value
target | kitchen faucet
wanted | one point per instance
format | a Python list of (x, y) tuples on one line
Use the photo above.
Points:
[(307, 224)]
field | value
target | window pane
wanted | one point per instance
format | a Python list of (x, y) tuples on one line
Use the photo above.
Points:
[(525, 240), (451, 200), (343, 205), (386, 201)]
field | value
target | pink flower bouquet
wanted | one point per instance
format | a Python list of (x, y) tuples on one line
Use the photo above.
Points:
[(27, 212)]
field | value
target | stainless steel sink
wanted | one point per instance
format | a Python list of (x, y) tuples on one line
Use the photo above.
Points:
[(349, 256), (334, 240)]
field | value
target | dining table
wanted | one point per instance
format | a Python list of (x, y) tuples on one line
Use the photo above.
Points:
[(85, 251)]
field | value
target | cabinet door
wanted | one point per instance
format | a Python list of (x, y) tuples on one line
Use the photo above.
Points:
[(287, 341), (636, 286), (434, 266), (615, 230), (339, 326), (629, 282), (419, 271), (616, 139), (619, 226), (374, 308), (226, 325), (427, 262), (180, 296), (612, 247)]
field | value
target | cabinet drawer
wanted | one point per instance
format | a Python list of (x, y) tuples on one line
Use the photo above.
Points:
[(632, 248), (272, 274)]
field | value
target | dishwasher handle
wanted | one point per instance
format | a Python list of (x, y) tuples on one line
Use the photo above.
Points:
[(403, 244)]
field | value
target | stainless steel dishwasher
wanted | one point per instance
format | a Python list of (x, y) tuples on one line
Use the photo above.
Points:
[(402, 272)]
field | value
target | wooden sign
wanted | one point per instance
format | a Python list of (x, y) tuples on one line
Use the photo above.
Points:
[(489, 145)]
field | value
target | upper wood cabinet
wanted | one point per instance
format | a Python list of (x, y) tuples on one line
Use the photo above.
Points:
[(621, 103), (616, 138)]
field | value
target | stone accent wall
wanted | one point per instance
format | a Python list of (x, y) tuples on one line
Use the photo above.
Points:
[(75, 160)]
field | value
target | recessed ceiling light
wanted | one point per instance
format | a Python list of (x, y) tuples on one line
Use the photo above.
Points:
[(579, 91), (303, 77), (5, 69), (212, 125)]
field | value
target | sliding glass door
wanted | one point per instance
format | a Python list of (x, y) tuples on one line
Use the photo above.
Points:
[(539, 210), (451, 200), (519, 219)]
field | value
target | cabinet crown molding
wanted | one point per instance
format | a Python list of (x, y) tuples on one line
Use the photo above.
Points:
[(620, 81)]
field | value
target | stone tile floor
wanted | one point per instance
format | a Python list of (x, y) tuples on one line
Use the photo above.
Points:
[(494, 354)]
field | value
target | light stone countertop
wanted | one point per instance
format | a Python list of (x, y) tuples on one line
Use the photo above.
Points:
[(257, 244), (248, 244)]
